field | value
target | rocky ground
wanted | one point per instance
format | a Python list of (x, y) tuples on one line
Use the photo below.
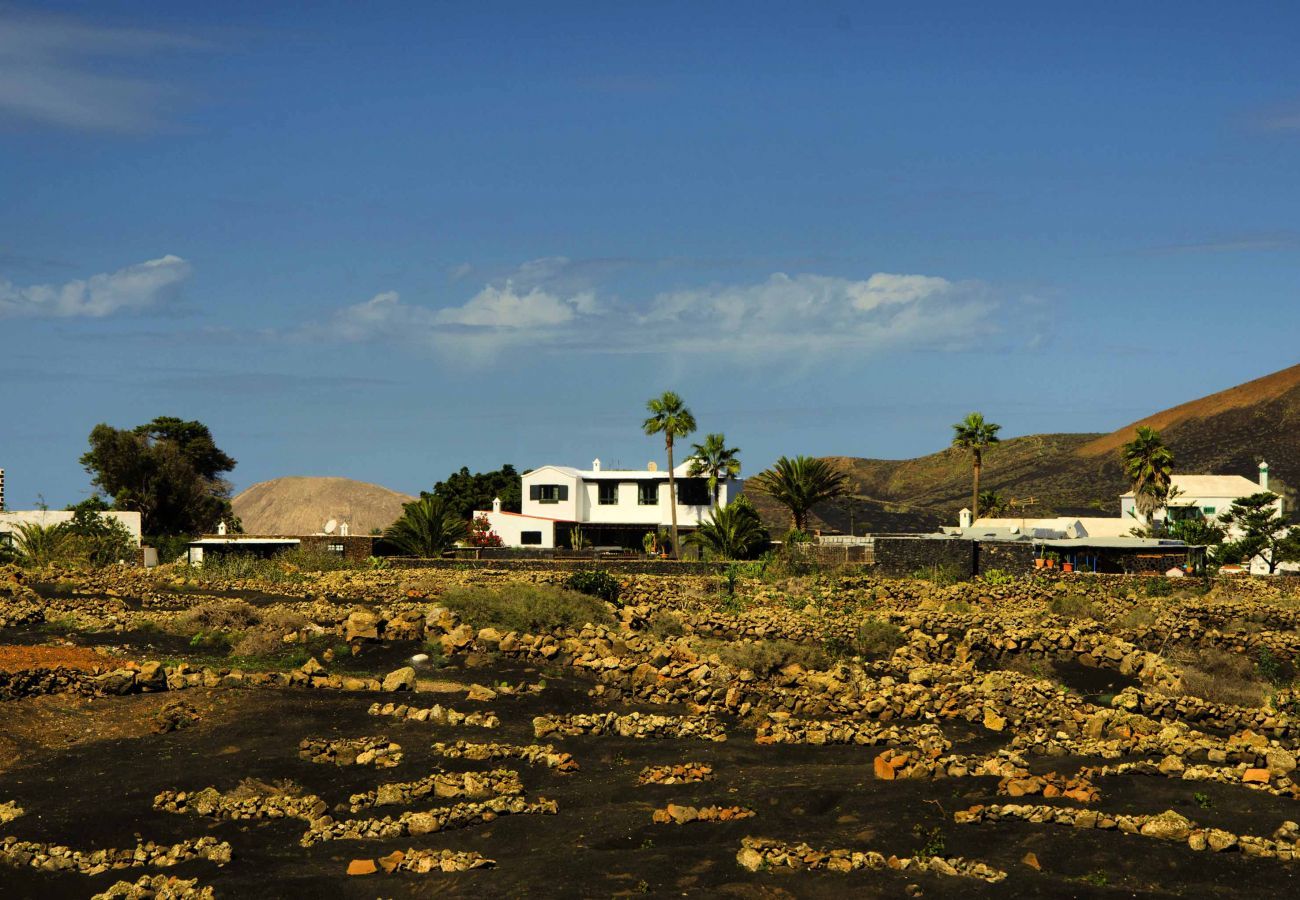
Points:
[(397, 734)]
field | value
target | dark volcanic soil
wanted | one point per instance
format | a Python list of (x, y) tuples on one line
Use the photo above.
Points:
[(98, 793)]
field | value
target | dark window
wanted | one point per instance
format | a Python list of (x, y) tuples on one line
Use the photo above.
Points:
[(647, 493), (548, 493), (693, 492), (336, 548), (530, 537), (608, 491)]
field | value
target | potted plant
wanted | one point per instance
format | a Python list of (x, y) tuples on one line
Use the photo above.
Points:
[(1039, 562), (1052, 558), (1067, 566)]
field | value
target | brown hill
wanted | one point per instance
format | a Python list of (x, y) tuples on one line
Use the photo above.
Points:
[(1229, 433), (302, 505)]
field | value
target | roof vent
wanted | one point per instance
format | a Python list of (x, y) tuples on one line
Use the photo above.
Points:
[(652, 466)]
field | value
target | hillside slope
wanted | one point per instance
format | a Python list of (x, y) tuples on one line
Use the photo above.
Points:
[(302, 505), (1228, 432)]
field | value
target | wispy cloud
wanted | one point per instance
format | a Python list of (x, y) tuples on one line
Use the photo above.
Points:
[(52, 71), (798, 314), (131, 289), (1239, 243)]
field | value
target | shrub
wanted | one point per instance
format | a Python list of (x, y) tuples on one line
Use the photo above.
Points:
[(595, 583), (1159, 586), (526, 607), (765, 657), (877, 638), (997, 578), (1222, 678), (1072, 606), (1137, 617), (664, 625), (219, 615), (258, 642)]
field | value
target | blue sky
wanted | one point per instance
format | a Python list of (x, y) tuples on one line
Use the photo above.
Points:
[(387, 240)]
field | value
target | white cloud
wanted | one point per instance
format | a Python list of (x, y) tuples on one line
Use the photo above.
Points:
[(52, 71), (784, 314), (131, 289)]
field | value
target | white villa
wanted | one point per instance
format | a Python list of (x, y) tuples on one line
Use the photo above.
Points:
[(613, 507), (1208, 496)]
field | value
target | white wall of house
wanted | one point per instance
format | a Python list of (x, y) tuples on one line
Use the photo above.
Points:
[(574, 495), (9, 521), (510, 527), (1211, 495)]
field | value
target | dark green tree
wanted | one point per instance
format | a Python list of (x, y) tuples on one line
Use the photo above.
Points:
[(428, 526), (1258, 531), (799, 484), (734, 531), (463, 493), (170, 471)]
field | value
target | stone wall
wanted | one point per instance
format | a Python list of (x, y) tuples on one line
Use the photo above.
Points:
[(902, 556), (1016, 559)]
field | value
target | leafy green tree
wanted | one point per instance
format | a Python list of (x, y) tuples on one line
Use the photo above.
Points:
[(1198, 531), (973, 435), (734, 531), (714, 459), (99, 539), (669, 417), (170, 471), (464, 493), (1148, 464), (799, 484), (428, 526), (1258, 531)]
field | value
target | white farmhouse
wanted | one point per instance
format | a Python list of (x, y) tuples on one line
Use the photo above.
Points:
[(1205, 496), (47, 518), (612, 507)]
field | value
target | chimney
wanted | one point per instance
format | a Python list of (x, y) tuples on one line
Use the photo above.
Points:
[(344, 529), (221, 527), (595, 465), (496, 502), (1263, 476), (964, 519)]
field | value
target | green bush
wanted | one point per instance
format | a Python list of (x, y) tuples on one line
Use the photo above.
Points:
[(664, 625), (765, 657), (997, 578), (1072, 606), (595, 583), (877, 638), (1159, 586), (526, 607), (1137, 617)]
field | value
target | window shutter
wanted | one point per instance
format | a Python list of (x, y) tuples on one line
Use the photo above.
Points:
[(564, 492), (534, 492)]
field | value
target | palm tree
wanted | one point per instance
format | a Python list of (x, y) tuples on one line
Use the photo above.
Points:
[(670, 417), (1149, 464), (992, 503), (716, 460), (799, 484), (733, 531), (427, 528), (41, 545), (975, 435)]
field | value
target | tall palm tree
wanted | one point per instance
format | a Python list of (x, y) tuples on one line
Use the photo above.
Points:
[(799, 484), (972, 434), (716, 460), (428, 526), (670, 417), (1149, 465), (734, 531)]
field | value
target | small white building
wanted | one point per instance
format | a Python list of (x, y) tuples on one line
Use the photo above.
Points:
[(9, 521), (1205, 496), (612, 507)]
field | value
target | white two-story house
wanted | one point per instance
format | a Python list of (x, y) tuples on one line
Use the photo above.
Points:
[(612, 507), (1201, 496)]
